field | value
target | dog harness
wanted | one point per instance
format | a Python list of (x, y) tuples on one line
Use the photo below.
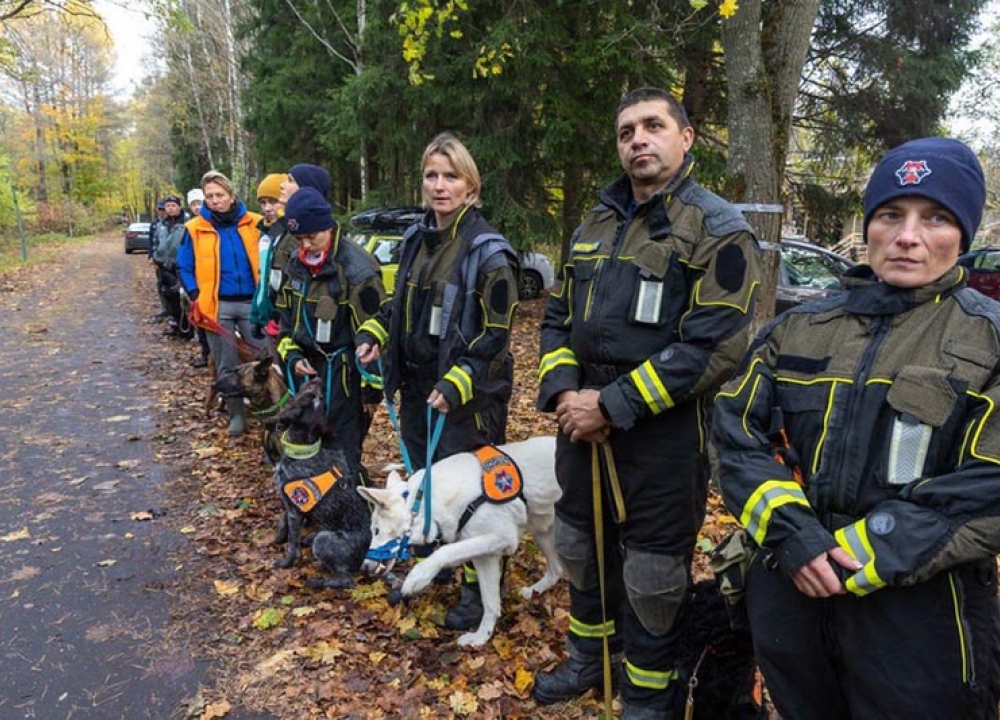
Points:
[(501, 478), (306, 493)]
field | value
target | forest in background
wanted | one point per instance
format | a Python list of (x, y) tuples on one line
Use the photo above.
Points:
[(792, 99)]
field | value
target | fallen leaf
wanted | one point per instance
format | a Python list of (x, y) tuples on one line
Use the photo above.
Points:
[(305, 611), (523, 680), (187, 530), (127, 464), (376, 657), (490, 692), (141, 515), (463, 703), (323, 652), (216, 710), (117, 418), (106, 563), (227, 587), (276, 662), (21, 534), (207, 452), (268, 618)]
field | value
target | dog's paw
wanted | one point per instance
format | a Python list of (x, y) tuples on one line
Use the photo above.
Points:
[(475, 639), (527, 593), (418, 578), (335, 582)]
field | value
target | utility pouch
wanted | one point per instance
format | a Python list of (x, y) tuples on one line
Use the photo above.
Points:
[(731, 564), (275, 279), (434, 326), (323, 328), (648, 302)]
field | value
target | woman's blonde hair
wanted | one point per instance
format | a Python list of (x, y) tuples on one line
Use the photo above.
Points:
[(452, 148), (216, 177)]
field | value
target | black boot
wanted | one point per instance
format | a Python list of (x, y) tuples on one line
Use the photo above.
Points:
[(469, 611), (573, 678)]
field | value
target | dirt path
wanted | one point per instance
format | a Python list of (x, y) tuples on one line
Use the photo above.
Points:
[(89, 557)]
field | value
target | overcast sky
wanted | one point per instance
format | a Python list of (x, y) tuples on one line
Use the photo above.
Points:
[(131, 31)]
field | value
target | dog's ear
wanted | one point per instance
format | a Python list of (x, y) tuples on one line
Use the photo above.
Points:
[(374, 496), (262, 368), (395, 481)]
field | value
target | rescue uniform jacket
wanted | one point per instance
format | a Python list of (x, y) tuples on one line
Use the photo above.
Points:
[(322, 312), (889, 398), (219, 262), (449, 320), (655, 303)]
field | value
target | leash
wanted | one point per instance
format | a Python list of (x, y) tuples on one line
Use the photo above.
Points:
[(597, 451), (378, 382)]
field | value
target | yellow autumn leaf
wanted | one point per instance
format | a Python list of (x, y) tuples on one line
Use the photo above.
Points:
[(438, 683), (227, 587), (463, 703), (141, 515), (106, 563), (21, 534), (323, 652), (207, 452), (279, 662), (216, 710), (269, 618), (376, 657), (523, 680), (406, 623), (305, 611), (502, 645), (187, 530), (728, 8)]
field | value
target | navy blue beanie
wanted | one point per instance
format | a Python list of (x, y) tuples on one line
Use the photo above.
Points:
[(940, 169), (307, 212), (312, 176)]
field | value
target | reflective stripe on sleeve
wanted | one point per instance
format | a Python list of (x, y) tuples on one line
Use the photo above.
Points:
[(458, 377), (648, 383), (286, 346), (771, 494), (652, 679), (372, 326), (854, 539), (550, 361)]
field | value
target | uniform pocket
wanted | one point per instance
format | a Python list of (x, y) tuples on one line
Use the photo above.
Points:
[(648, 305), (922, 400)]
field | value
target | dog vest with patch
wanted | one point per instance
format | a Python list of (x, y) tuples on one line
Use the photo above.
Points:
[(501, 479), (305, 493)]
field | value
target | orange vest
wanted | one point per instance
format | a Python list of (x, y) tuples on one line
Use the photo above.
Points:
[(205, 243)]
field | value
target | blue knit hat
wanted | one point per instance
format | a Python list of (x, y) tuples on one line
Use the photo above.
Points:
[(312, 176), (940, 169), (307, 212)]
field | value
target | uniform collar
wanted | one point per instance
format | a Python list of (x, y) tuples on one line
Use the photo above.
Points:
[(867, 295)]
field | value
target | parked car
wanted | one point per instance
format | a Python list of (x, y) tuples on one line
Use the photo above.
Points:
[(137, 237), (380, 232), (983, 265), (807, 272)]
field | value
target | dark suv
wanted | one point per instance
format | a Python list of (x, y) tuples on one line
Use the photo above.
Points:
[(984, 270), (807, 272)]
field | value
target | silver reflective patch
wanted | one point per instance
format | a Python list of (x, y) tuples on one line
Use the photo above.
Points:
[(647, 307), (323, 331), (275, 278), (434, 327), (908, 449)]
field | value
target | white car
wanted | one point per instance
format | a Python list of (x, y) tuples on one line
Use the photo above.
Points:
[(537, 275)]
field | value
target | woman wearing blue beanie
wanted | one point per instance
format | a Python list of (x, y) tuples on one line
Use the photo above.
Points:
[(330, 287), (873, 590)]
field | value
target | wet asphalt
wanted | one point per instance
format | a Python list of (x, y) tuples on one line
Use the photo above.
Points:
[(88, 621)]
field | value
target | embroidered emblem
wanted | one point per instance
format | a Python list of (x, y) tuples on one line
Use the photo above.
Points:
[(305, 493), (501, 476), (912, 172), (882, 523), (583, 247)]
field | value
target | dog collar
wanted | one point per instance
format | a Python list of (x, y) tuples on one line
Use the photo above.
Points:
[(296, 451), (267, 412)]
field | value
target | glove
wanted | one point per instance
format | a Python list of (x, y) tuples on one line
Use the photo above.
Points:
[(197, 317), (256, 331)]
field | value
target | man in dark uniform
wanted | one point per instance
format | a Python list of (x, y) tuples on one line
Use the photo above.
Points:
[(652, 317)]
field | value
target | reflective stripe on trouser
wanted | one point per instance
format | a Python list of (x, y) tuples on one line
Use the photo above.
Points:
[(664, 484), (926, 651)]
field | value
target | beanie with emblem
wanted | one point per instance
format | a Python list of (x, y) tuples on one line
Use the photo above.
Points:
[(943, 170), (307, 212), (312, 176), (270, 186)]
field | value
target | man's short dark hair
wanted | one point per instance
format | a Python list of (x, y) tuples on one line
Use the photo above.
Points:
[(674, 107)]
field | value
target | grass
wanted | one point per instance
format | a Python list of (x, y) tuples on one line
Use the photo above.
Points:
[(40, 248)]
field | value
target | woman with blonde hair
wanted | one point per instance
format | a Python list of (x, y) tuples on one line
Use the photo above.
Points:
[(218, 262), (445, 335)]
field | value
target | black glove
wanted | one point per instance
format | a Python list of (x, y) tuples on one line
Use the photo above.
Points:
[(256, 331)]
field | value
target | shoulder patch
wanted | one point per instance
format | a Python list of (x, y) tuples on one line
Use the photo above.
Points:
[(730, 268), (358, 265), (721, 218), (501, 475), (975, 303)]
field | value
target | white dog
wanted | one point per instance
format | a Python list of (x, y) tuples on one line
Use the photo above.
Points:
[(491, 531)]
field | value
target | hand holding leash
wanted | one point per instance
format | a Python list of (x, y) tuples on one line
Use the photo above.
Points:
[(304, 367), (197, 317), (367, 353), (580, 416), (438, 401)]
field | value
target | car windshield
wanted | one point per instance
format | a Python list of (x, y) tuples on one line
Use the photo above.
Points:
[(386, 252), (806, 268)]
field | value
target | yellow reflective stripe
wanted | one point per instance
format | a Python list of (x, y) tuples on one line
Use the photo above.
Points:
[(652, 679), (956, 602), (559, 356), (373, 326), (771, 494), (469, 574), (582, 629), (462, 381), (980, 426), (854, 539), (648, 383), (286, 346)]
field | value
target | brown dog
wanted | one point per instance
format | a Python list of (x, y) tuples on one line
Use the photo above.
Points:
[(262, 384)]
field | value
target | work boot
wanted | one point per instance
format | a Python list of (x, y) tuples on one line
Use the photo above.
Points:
[(573, 678), (237, 416), (469, 611)]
